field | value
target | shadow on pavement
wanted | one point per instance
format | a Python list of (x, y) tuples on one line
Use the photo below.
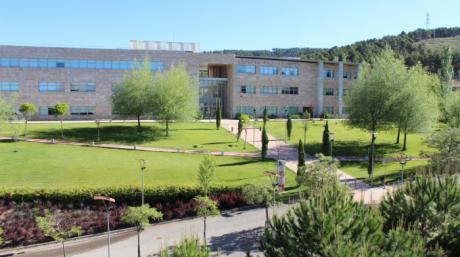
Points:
[(241, 241)]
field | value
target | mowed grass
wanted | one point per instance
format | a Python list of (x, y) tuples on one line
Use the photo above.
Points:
[(189, 135), (61, 166), (348, 141), (390, 170)]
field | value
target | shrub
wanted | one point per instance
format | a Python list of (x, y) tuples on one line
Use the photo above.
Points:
[(295, 116)]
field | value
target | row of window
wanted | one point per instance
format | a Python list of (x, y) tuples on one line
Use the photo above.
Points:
[(9, 87), (330, 91), (334, 74), (267, 70), (74, 110), (269, 90), (75, 64), (51, 87), (271, 110)]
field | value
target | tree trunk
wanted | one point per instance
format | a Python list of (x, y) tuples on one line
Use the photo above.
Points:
[(404, 144), (62, 130), (371, 157), (167, 128), (138, 123), (266, 212), (399, 132), (138, 241), (63, 248), (204, 230)]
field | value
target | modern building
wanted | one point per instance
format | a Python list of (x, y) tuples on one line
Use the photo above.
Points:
[(84, 78)]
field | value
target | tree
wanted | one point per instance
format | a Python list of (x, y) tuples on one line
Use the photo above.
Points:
[(318, 175), (58, 228), (218, 116), (416, 104), (453, 109), (447, 157), (60, 111), (326, 140), (240, 128), (206, 174), (206, 208), (335, 226), (264, 143), (289, 126), (254, 194), (133, 96), (27, 110), (265, 116), (301, 154), (372, 104), (174, 96), (445, 75), (188, 247), (5, 110), (430, 205), (140, 216)]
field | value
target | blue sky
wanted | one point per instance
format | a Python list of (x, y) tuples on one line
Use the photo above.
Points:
[(216, 24)]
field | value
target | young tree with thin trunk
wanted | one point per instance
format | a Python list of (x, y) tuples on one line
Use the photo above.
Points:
[(132, 96), (206, 174), (5, 111), (254, 194), (56, 228), (27, 110), (301, 154), (174, 96), (417, 109), (372, 103), (218, 116), (206, 208), (289, 126), (264, 143), (140, 217), (61, 110)]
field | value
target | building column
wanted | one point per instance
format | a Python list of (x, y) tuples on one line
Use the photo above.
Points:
[(320, 86), (340, 93)]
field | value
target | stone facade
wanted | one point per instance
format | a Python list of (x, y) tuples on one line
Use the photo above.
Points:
[(309, 81)]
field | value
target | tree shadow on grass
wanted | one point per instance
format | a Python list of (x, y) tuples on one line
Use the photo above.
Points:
[(353, 148), (115, 134), (241, 241), (243, 162)]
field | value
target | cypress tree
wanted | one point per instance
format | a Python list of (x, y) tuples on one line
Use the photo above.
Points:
[(265, 116), (301, 154), (218, 116), (289, 126), (264, 143), (240, 128), (326, 140)]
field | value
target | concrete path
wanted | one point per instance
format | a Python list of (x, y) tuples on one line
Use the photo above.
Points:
[(280, 150), (231, 234)]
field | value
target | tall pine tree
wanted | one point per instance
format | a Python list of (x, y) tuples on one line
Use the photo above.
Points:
[(326, 140), (264, 143)]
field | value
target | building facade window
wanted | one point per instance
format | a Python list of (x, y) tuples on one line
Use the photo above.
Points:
[(328, 91), (271, 110), (75, 64), (292, 110), (82, 110), (249, 110), (269, 90), (289, 71), (329, 109), (266, 70), (290, 91), (247, 90), (51, 87), (347, 75), (45, 110), (9, 87), (329, 74), (83, 87), (249, 69)]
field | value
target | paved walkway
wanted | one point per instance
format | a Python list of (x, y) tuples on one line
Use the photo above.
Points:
[(279, 150)]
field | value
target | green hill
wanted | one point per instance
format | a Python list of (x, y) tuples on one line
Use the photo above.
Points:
[(437, 44)]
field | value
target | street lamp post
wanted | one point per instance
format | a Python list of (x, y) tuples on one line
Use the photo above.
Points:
[(143, 163), (107, 206)]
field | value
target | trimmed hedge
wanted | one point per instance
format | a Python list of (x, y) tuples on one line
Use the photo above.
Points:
[(123, 195)]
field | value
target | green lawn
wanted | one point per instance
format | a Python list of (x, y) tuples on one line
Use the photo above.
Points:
[(348, 141), (190, 135), (58, 166)]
